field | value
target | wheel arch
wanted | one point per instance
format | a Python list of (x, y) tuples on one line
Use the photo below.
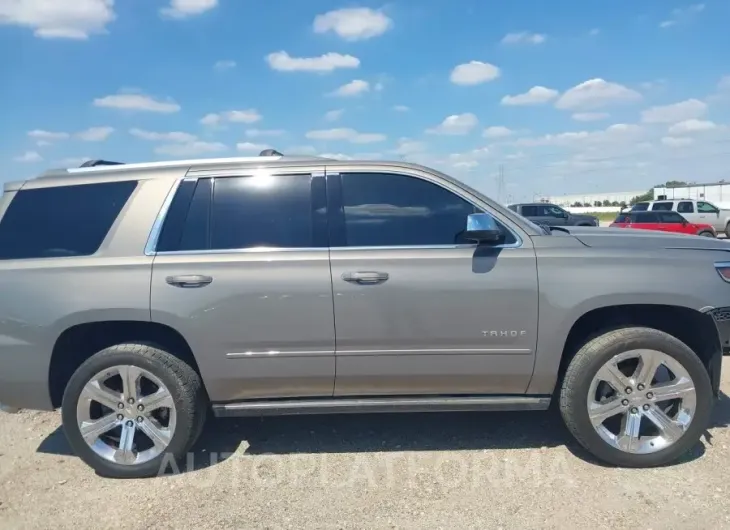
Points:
[(79, 342)]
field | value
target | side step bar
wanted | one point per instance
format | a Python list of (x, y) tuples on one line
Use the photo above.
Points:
[(381, 404)]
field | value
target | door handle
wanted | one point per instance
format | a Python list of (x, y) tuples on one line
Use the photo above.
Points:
[(365, 278), (189, 280)]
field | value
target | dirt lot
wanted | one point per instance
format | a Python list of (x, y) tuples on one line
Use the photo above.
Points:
[(376, 471)]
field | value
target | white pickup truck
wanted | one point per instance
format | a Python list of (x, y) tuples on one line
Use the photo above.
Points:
[(698, 212)]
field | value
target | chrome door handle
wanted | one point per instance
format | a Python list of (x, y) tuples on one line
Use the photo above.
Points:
[(189, 280), (365, 277)]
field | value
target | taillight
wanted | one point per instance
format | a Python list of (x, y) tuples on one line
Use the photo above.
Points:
[(723, 269)]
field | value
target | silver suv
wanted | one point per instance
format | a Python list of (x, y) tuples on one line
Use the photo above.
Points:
[(140, 297)]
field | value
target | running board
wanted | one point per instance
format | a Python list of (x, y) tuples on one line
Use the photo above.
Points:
[(381, 404)]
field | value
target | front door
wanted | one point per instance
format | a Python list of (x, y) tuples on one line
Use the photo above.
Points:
[(242, 272), (419, 310)]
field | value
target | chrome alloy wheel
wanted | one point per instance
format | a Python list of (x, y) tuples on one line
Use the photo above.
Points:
[(126, 415), (641, 401)]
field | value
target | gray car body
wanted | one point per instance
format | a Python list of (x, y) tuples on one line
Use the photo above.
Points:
[(569, 219), (451, 320)]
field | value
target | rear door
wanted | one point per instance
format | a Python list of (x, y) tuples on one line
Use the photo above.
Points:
[(419, 310), (242, 272), (673, 222), (553, 215)]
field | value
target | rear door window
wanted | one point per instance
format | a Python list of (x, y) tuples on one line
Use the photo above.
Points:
[(530, 211), (685, 207), (61, 221), (646, 217), (670, 217), (640, 207), (662, 206)]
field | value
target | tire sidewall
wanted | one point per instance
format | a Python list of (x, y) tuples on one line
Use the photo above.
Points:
[(107, 359), (703, 388)]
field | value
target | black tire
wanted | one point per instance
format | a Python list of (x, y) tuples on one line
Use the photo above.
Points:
[(592, 356), (706, 233), (181, 380)]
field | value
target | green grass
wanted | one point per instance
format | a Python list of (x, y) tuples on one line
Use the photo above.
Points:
[(603, 216)]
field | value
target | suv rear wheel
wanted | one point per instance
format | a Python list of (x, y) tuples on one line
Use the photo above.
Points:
[(636, 397), (129, 406)]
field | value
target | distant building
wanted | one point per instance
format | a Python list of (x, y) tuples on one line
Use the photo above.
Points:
[(592, 198), (717, 193)]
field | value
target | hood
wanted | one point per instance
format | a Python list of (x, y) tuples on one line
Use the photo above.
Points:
[(641, 239)]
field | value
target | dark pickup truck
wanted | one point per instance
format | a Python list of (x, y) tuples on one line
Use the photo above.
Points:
[(549, 214)]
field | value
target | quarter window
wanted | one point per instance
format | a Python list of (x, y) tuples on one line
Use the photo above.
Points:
[(62, 220), (385, 210)]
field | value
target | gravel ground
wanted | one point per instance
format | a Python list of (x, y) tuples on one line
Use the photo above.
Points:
[(477, 470)]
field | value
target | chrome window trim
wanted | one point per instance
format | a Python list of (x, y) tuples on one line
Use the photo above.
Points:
[(252, 250), (150, 248), (435, 180)]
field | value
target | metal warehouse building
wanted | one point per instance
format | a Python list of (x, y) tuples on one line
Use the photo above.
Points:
[(717, 193)]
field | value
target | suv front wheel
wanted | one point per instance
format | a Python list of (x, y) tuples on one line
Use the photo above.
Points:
[(131, 408), (636, 397)]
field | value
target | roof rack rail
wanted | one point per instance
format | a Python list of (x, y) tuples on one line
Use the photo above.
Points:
[(96, 163)]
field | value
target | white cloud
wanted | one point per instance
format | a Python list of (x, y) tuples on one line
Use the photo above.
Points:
[(232, 116), (456, 124), (249, 146), (474, 73), (328, 62), (596, 93), (59, 19), (524, 37), (497, 131), (187, 149), (350, 135), (224, 65), (139, 102), (43, 143), (537, 95), (590, 116), (353, 88), (187, 8), (681, 15), (333, 115), (614, 134), (48, 136), (724, 83), (671, 141), (353, 24), (29, 156), (406, 147), (684, 110), (401, 108), (95, 134), (259, 133), (691, 126), (174, 136)]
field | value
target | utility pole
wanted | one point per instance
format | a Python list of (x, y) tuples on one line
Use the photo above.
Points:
[(500, 183)]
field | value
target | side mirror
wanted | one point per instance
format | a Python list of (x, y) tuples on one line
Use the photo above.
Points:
[(482, 228)]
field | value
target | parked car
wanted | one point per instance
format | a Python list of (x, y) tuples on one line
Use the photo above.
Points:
[(698, 212), (138, 298), (664, 221), (552, 215)]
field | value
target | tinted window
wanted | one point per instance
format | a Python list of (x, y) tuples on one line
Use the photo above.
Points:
[(550, 211), (397, 210), (706, 207), (685, 207), (662, 206), (530, 211), (646, 217), (640, 207), (623, 218), (195, 234), (61, 221), (670, 217), (262, 211)]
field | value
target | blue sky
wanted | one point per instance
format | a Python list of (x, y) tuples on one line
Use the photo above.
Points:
[(565, 97)]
